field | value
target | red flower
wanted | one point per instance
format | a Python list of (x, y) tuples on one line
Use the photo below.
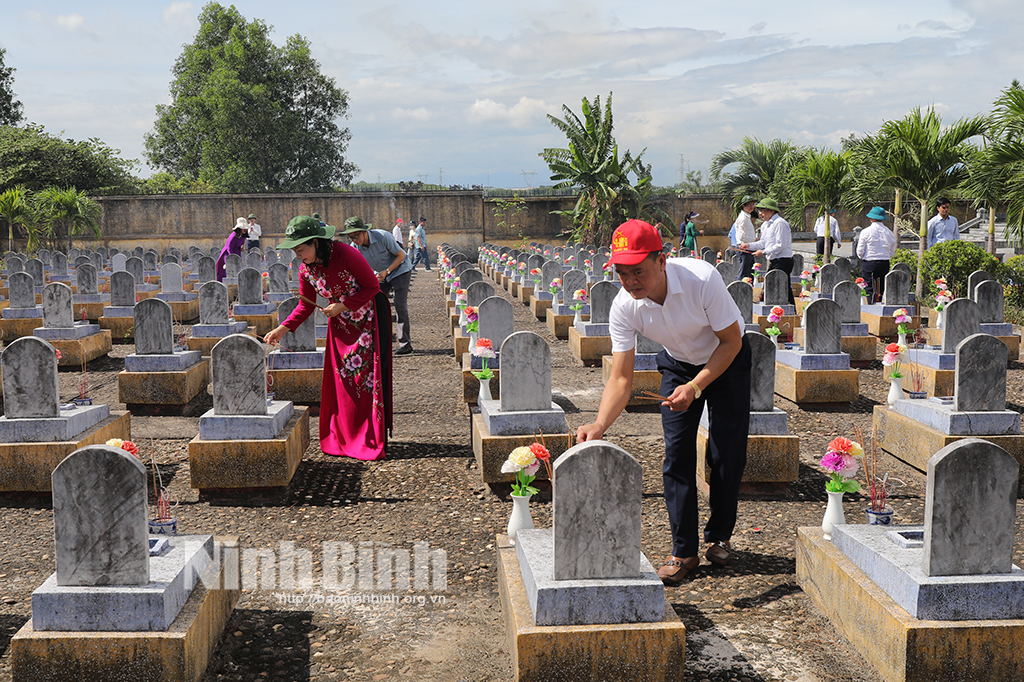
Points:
[(840, 444), (470, 310), (484, 343), (778, 311), (540, 452), (893, 348), (130, 447)]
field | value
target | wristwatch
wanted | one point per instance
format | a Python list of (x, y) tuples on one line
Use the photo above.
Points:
[(696, 389)]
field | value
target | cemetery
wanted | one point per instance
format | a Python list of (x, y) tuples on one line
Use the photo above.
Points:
[(167, 513)]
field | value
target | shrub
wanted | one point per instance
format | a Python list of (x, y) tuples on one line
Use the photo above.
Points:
[(910, 258), (1012, 278), (956, 260)]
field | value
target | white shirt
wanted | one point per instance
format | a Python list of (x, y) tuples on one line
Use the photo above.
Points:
[(255, 231), (776, 239), (396, 232), (819, 228), (940, 230), (876, 242), (696, 306), (744, 228)]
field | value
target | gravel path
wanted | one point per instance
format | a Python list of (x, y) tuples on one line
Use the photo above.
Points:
[(747, 622)]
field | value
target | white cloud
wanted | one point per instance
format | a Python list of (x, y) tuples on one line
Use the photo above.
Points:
[(72, 22), (418, 114), (179, 14), (523, 113)]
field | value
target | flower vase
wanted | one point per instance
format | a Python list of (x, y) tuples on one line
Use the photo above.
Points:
[(863, 300), (463, 320), (833, 514), (879, 517), (901, 339), (167, 526), (939, 318), (485, 391), (607, 276), (472, 339), (577, 319), (520, 518), (895, 390)]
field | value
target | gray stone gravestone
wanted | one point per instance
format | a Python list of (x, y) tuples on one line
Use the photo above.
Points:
[(122, 289), (601, 296), (254, 259), (988, 294), (85, 278), (14, 264), (34, 267), (477, 293), (460, 268), (963, 318), (525, 373), (138, 251), (798, 263), (21, 290), (844, 266), (134, 266), (169, 258), (73, 254), (170, 278), (573, 281), (149, 261), (277, 278), (153, 327), (709, 256), (743, 296), (103, 252), (207, 269), (824, 327), (976, 278), (970, 509), (44, 255), (57, 311), (271, 256), (980, 376), (551, 269), (101, 533), (232, 266), (762, 372), (598, 261), (897, 288), (295, 268), (776, 288), (59, 264), (213, 303), (495, 320), (97, 261), (30, 379), (250, 286), (469, 277), (903, 267), (118, 261), (303, 339), (728, 271), (828, 277), (596, 536), (847, 296)]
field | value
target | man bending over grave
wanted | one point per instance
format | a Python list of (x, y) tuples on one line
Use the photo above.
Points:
[(683, 304)]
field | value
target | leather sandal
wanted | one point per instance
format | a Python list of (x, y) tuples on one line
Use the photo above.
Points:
[(719, 553), (674, 571)]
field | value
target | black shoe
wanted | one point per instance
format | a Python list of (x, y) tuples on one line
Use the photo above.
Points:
[(404, 350)]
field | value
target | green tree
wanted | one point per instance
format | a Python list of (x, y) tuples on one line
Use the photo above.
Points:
[(591, 165), (31, 157), (1003, 160), (16, 210), (761, 169), (165, 183), (919, 157), (249, 116), (10, 108), (821, 178), (67, 213)]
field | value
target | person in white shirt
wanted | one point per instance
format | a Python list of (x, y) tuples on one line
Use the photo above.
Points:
[(819, 232), (875, 248), (942, 227), (776, 242), (744, 233), (396, 232), (683, 304), (255, 232)]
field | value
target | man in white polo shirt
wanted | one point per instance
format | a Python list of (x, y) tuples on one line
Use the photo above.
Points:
[(683, 304)]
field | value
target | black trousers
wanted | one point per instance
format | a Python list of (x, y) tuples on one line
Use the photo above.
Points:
[(728, 403), (874, 272), (400, 285), (786, 265), (820, 248), (746, 265)]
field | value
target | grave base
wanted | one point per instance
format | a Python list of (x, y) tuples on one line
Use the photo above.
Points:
[(525, 294), (492, 451), (588, 349), (122, 329), (184, 312), (16, 328), (900, 647), (170, 390), (861, 349), (179, 654), (653, 652), (914, 443), (540, 308), (26, 467), (884, 325), (77, 352), (643, 380), (216, 465), (302, 386), (787, 324), (817, 386), (205, 344), (934, 337), (771, 459), (93, 311), (471, 385), (559, 325), (261, 323), (934, 382), (460, 341)]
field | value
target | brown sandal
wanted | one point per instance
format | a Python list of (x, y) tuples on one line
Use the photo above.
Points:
[(719, 553), (674, 571)]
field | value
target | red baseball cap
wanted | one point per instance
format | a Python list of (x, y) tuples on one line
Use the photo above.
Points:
[(633, 241)]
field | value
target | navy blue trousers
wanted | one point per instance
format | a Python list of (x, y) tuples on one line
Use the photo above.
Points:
[(728, 403), (874, 272)]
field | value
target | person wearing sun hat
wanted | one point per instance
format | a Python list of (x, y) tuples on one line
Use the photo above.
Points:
[(355, 401), (683, 304), (776, 242), (233, 244), (875, 248)]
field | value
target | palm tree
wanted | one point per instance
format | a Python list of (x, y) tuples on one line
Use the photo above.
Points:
[(592, 165), (822, 177), (988, 182), (69, 210), (761, 171), (1000, 174), (16, 210), (920, 158)]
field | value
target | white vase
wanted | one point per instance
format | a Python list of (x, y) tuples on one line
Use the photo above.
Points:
[(895, 390), (940, 316), (578, 318), (472, 339), (520, 518), (484, 392), (901, 339), (833, 514), (463, 320), (864, 300)]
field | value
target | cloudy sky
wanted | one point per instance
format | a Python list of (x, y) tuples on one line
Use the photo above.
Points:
[(463, 88)]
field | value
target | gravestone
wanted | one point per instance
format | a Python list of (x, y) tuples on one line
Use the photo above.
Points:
[(303, 339), (254, 259), (250, 287), (728, 271), (903, 267), (85, 278), (847, 296), (213, 303), (525, 373), (149, 261), (170, 278), (44, 255), (207, 269), (134, 266), (117, 262), (762, 372), (897, 288), (970, 509), (573, 281), (601, 296), (169, 258), (824, 326), (598, 264), (551, 269), (30, 379), (743, 296), (57, 311), (138, 251), (73, 254), (277, 279), (496, 320), (14, 264), (295, 269), (469, 277), (980, 376), (461, 267), (534, 262), (270, 256), (828, 277), (101, 533), (976, 278), (232, 266), (798, 263), (844, 266), (709, 256), (477, 293), (596, 536), (776, 288), (988, 294), (58, 264), (34, 267), (153, 327), (21, 290), (963, 318), (122, 289), (103, 252)]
